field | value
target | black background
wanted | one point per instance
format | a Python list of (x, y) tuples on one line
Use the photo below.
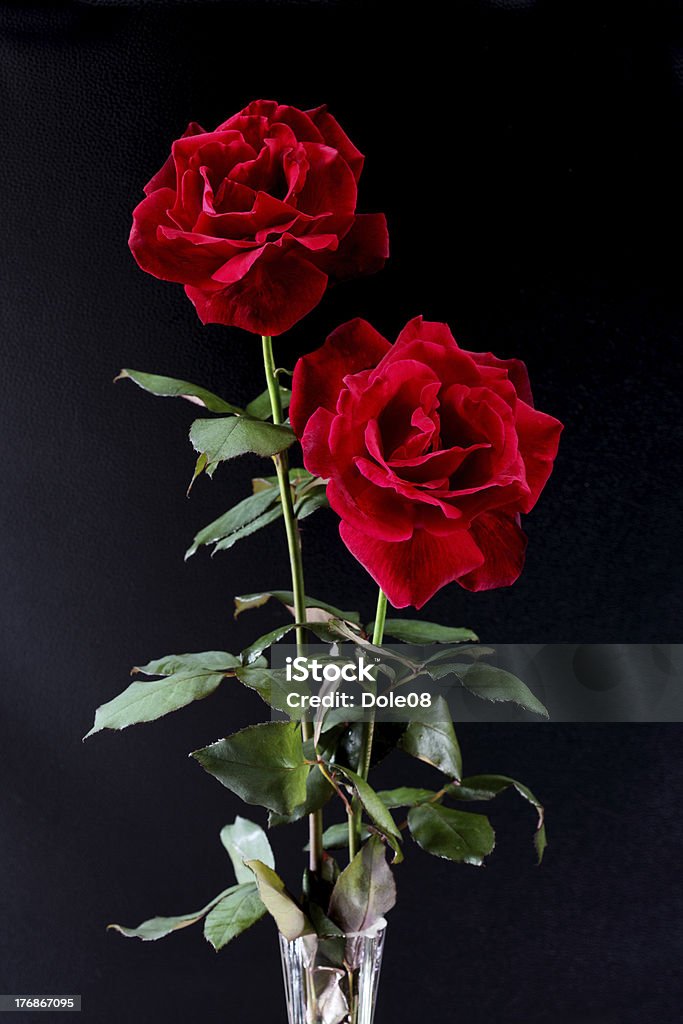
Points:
[(527, 157)]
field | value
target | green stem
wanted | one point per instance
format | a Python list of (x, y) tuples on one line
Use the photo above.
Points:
[(368, 731), (377, 638), (380, 618), (295, 563), (354, 831), (353, 998)]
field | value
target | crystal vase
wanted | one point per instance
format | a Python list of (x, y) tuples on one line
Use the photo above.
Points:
[(332, 980)]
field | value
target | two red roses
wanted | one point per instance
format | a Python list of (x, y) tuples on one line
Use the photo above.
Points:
[(431, 452)]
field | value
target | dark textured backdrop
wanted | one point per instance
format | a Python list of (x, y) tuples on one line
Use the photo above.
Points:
[(527, 156)]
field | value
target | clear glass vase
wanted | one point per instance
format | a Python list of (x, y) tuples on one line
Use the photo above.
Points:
[(332, 980)]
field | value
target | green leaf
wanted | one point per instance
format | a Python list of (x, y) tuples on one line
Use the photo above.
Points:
[(246, 517), (414, 631), (318, 792), (264, 483), (271, 516), (495, 684), (211, 661), (540, 842), (271, 685), (433, 740), (329, 871), (168, 387), (263, 764), (298, 478), (254, 651), (318, 789), (454, 835), (405, 796), (446, 655), (376, 811), (487, 787), (365, 891), (248, 601), (330, 629), (236, 912), (288, 915), (261, 409), (199, 467), (245, 840), (230, 436), (158, 927), (323, 926), (443, 668), (187, 677), (310, 502), (336, 837), (351, 743), (331, 1001), (145, 702), (480, 787)]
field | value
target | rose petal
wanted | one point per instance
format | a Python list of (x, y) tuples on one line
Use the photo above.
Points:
[(166, 176), (373, 510), (315, 443), (256, 110), (476, 414), (503, 544), (329, 187), (516, 370), (300, 121), (318, 376), (539, 438), (411, 571), (409, 422), (163, 257), (187, 150), (433, 344), (266, 215), (335, 136), (277, 290), (419, 329)]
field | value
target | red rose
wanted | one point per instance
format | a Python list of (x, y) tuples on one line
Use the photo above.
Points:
[(431, 452), (257, 216)]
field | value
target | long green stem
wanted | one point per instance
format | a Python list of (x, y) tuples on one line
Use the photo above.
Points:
[(368, 731), (295, 563)]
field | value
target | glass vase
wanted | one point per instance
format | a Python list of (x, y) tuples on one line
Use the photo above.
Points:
[(332, 980)]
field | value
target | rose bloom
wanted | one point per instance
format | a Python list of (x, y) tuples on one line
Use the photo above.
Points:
[(258, 216), (431, 453)]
